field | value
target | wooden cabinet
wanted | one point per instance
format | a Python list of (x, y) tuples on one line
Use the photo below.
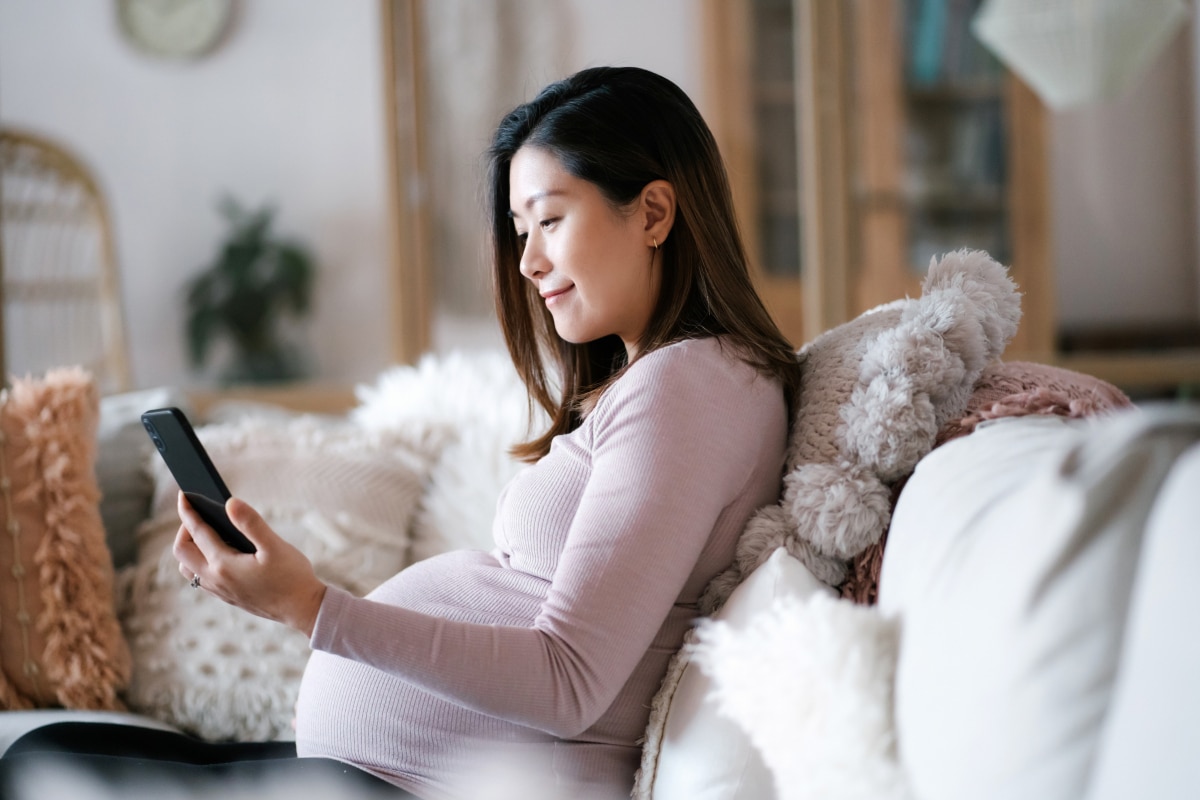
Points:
[(949, 152), (855, 157), (909, 140), (753, 109)]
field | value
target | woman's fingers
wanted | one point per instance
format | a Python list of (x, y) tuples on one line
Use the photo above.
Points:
[(277, 581), (198, 548), (249, 522), (209, 542), (191, 559)]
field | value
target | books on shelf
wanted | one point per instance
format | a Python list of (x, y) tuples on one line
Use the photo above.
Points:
[(942, 50), (960, 151)]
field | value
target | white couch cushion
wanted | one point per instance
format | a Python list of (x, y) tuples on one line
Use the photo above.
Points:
[(1010, 561), (702, 755), (439, 401), (1153, 726)]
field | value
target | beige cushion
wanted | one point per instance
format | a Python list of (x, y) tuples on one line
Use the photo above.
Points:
[(1010, 562), (60, 644), (343, 496)]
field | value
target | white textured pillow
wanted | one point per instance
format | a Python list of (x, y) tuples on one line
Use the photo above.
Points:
[(692, 751), (1010, 562), (810, 683), (344, 496)]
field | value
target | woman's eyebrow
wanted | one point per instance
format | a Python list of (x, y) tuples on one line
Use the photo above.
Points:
[(533, 198)]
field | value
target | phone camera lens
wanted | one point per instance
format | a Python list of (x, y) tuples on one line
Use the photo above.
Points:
[(158, 442)]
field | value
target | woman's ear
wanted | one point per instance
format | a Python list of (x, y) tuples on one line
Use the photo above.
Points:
[(658, 210)]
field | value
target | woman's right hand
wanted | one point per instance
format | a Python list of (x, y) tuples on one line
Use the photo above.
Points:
[(276, 581)]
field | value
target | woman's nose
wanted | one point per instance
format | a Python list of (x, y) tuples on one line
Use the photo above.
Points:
[(533, 261)]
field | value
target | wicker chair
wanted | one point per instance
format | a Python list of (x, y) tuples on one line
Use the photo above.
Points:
[(61, 297)]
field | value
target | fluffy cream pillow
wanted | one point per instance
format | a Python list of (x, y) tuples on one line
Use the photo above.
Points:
[(809, 681), (438, 401), (873, 393), (344, 496), (692, 752)]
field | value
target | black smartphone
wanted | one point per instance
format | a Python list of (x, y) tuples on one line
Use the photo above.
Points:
[(193, 470)]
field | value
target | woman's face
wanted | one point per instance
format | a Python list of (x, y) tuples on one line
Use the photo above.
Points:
[(593, 265)]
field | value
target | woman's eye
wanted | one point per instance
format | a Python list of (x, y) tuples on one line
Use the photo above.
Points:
[(546, 223), (522, 238)]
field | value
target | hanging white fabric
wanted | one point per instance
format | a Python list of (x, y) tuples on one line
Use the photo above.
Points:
[(1073, 52)]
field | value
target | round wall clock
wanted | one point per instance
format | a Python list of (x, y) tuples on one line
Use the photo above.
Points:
[(175, 28)]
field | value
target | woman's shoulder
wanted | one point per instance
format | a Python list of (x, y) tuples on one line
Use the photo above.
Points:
[(701, 383), (703, 358), (708, 367)]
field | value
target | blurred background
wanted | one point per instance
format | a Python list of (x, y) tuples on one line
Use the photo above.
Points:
[(863, 138)]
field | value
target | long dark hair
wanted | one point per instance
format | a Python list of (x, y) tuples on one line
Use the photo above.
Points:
[(621, 128)]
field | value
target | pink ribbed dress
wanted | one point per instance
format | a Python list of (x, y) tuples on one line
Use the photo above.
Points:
[(556, 640)]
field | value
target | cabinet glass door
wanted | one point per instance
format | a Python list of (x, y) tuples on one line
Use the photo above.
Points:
[(777, 170), (954, 140)]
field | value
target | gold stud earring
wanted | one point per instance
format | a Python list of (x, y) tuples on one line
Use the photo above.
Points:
[(655, 242)]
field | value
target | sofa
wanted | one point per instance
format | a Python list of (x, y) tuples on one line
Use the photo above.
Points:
[(1033, 637), (1027, 630)]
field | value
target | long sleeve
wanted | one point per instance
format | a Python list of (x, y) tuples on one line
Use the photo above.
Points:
[(603, 548)]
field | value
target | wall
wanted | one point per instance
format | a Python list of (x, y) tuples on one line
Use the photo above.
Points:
[(660, 35), (288, 110), (1123, 189)]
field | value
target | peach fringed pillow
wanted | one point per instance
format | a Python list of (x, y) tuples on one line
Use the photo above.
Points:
[(60, 642)]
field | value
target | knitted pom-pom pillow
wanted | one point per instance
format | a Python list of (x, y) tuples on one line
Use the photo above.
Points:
[(873, 395)]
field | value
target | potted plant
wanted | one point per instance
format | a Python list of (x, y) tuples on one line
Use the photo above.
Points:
[(255, 281)]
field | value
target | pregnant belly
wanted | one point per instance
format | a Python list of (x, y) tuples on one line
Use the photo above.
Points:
[(379, 721)]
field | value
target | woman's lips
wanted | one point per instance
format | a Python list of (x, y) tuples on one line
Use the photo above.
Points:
[(553, 297)]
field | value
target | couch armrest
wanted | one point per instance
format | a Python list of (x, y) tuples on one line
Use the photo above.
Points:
[(15, 724)]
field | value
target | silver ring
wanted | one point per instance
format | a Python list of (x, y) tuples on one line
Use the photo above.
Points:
[(195, 581)]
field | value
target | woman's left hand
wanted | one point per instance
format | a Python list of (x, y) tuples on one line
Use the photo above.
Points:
[(277, 581)]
